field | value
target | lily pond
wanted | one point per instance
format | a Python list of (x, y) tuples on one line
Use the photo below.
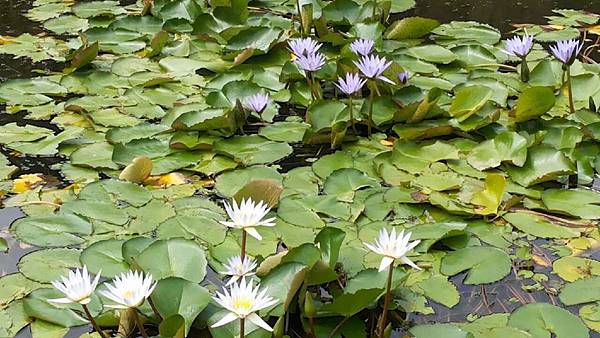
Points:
[(319, 169)]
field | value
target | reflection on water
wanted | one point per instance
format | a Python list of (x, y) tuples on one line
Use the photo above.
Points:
[(498, 13)]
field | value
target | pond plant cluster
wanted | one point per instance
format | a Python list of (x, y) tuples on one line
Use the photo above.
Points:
[(429, 159)]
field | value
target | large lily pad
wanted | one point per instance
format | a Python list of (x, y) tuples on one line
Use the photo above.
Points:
[(486, 264)]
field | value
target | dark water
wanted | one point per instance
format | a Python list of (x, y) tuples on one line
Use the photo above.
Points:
[(481, 300), (499, 13)]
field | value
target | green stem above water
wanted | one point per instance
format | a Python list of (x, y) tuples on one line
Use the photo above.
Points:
[(386, 302), (139, 324), (350, 109), (244, 239), (570, 89), (92, 321), (242, 327)]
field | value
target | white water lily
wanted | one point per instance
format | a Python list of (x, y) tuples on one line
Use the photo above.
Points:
[(393, 247), (237, 267), (243, 300), (129, 290), (247, 216), (78, 287)]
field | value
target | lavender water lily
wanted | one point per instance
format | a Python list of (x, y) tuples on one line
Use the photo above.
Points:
[(257, 102), (362, 47), (403, 77), (350, 85), (566, 52), (520, 47), (372, 67), (308, 59)]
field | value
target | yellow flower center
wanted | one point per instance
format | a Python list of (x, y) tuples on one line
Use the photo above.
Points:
[(128, 294), (243, 304), (239, 268)]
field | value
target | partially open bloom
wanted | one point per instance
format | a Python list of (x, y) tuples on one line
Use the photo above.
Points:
[(78, 287), (393, 247), (304, 46), (519, 46), (310, 62), (351, 84), (373, 67), (257, 102), (362, 47), (403, 77), (247, 216), (129, 290), (566, 51), (243, 301), (237, 267)]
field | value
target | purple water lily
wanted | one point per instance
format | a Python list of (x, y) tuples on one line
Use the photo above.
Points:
[(310, 62), (257, 102), (351, 84), (362, 47), (304, 46), (373, 67), (566, 51), (403, 77), (519, 46)]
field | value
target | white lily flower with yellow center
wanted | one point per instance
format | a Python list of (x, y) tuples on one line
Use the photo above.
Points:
[(247, 216), (78, 287), (237, 267), (393, 247), (129, 290), (243, 300)]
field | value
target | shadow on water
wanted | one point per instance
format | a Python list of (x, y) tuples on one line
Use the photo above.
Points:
[(503, 296)]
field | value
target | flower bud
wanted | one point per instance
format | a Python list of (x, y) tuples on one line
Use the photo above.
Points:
[(309, 306)]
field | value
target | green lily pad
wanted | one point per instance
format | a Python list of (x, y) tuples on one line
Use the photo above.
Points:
[(544, 320), (539, 226), (48, 265), (507, 147), (543, 164), (179, 296), (105, 257), (254, 149), (174, 258), (580, 291), (52, 231), (486, 264), (576, 202)]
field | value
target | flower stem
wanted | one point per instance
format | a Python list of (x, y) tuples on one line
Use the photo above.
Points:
[(524, 71), (370, 122), (242, 327), (310, 85), (300, 16), (244, 238), (154, 309), (92, 321), (570, 89), (338, 327), (139, 324), (311, 322), (350, 108), (386, 302), (374, 9)]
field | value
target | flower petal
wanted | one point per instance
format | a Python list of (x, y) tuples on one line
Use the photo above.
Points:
[(61, 300), (407, 261), (230, 317), (253, 232), (385, 262), (254, 318)]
